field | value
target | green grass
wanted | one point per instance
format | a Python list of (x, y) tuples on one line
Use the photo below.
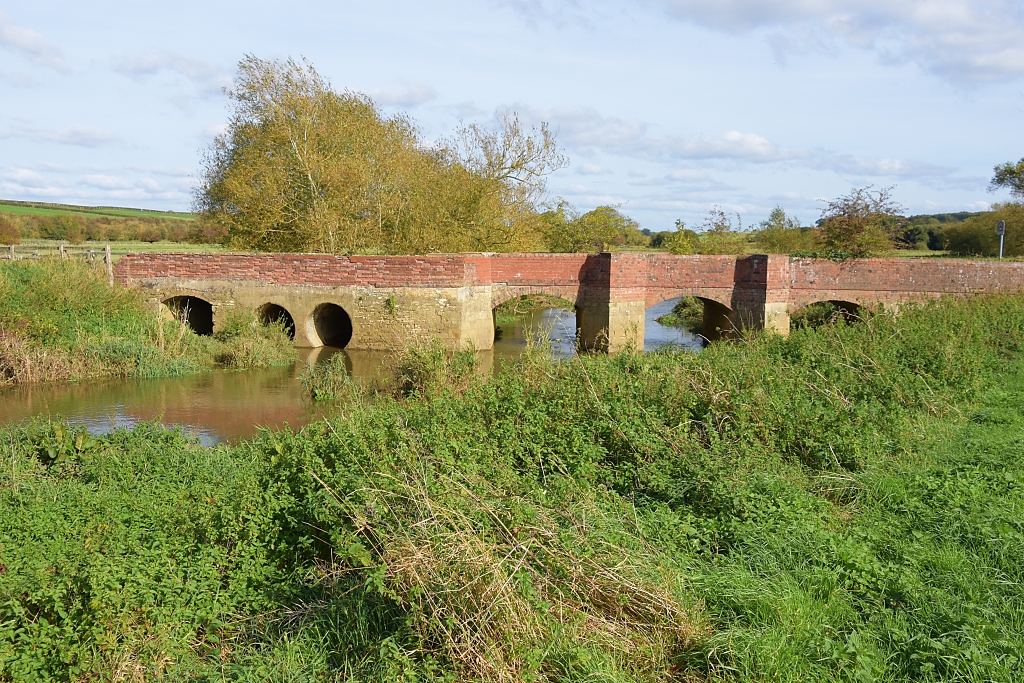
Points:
[(119, 248), (47, 209), (62, 321), (841, 505)]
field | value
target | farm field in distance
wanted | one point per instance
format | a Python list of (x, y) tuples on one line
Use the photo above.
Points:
[(46, 209)]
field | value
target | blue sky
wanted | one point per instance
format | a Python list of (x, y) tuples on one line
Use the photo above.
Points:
[(664, 107)]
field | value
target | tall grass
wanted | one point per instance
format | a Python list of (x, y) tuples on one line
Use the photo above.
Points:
[(62, 321), (841, 505)]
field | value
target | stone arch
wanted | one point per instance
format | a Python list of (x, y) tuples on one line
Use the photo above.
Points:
[(849, 310), (656, 296), (275, 313), (195, 312), (504, 294), (329, 325)]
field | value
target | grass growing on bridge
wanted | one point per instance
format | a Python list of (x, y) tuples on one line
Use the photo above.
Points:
[(61, 321), (841, 505)]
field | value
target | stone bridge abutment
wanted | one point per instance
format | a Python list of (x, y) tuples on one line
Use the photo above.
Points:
[(387, 302)]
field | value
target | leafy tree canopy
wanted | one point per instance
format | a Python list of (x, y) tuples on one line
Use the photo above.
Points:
[(569, 231), (863, 222), (302, 167), (1010, 176)]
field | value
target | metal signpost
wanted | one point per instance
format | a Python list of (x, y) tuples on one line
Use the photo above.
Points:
[(1001, 231)]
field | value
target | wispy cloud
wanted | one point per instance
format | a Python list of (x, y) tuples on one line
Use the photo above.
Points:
[(208, 79), (586, 132), (80, 136), (146, 186), (558, 12), (408, 95), (31, 44), (966, 41)]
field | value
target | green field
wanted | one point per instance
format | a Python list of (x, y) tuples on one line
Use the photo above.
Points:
[(46, 209), (121, 247)]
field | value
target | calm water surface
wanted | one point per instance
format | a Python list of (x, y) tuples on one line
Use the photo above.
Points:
[(228, 405)]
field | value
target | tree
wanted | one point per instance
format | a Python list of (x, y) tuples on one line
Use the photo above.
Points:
[(862, 222), (682, 241), (782, 234), (569, 231), (302, 167), (1010, 176)]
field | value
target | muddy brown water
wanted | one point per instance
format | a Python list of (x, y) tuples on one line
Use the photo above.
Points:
[(225, 405)]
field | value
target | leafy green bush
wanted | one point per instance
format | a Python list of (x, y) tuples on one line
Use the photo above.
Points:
[(976, 236), (688, 313)]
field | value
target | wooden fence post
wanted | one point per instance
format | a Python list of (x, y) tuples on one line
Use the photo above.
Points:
[(62, 254), (110, 264), (12, 253)]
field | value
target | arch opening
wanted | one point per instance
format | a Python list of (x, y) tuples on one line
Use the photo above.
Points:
[(271, 314), (332, 325), (675, 322), (535, 317), (695, 315), (825, 312), (195, 312)]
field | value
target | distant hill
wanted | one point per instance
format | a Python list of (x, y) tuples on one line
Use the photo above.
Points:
[(937, 219), (47, 209)]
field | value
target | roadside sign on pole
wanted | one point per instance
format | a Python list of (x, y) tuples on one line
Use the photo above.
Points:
[(1001, 231)]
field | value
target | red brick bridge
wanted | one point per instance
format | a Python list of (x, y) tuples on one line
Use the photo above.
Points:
[(383, 302)]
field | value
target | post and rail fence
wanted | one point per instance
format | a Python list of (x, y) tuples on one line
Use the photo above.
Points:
[(88, 253)]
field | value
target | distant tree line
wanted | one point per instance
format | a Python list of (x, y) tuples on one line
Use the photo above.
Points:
[(76, 229)]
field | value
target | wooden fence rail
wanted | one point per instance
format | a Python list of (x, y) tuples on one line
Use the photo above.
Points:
[(91, 254)]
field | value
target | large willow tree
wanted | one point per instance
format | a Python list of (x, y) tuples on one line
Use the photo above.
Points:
[(302, 167)]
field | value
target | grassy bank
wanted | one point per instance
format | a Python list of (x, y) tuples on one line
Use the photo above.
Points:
[(62, 321), (841, 505)]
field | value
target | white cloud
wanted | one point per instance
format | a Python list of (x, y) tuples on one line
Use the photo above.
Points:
[(214, 130), (24, 177), (31, 44), (585, 131), (408, 95), (558, 12), (209, 79), (966, 41), (592, 169), (846, 163), (97, 185), (81, 136)]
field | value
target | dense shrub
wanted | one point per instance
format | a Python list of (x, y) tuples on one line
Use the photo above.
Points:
[(976, 236), (9, 233)]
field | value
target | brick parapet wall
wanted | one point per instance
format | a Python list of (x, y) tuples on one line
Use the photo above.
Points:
[(303, 269), (890, 280), (623, 276)]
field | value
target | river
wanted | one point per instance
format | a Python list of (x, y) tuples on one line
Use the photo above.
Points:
[(226, 405)]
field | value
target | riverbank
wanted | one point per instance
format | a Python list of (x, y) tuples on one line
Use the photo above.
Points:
[(62, 321), (840, 505)]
